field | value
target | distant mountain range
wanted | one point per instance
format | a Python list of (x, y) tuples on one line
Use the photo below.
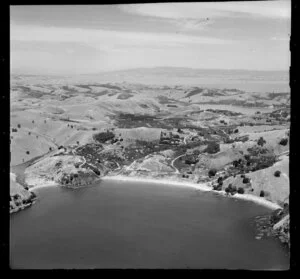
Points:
[(247, 80), (172, 71), (190, 72)]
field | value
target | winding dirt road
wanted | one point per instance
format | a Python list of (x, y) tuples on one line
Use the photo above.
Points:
[(172, 163)]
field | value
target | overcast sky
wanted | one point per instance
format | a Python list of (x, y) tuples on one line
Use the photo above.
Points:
[(89, 39)]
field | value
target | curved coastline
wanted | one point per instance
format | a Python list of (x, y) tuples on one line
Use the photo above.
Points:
[(171, 182), (202, 187)]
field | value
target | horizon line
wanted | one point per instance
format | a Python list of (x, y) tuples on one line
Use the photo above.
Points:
[(15, 72)]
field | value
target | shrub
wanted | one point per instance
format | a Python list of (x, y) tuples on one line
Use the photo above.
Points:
[(212, 172), (227, 190), (283, 141), (220, 179), (236, 131), (19, 126), (246, 180), (50, 148), (262, 193), (32, 121), (29, 133), (277, 173), (241, 190), (14, 130), (27, 152)]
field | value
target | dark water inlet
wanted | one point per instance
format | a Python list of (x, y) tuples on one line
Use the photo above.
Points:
[(140, 225)]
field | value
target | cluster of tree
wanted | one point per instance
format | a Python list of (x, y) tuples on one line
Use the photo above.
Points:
[(261, 141), (104, 136), (116, 140), (242, 138), (68, 179), (241, 190), (257, 159), (196, 152), (223, 121), (218, 187), (191, 159), (233, 190), (14, 130), (213, 147), (94, 169), (229, 140)]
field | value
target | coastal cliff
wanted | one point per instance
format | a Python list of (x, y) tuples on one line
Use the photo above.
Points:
[(20, 197)]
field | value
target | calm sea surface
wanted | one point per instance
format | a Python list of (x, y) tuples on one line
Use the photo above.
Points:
[(140, 225)]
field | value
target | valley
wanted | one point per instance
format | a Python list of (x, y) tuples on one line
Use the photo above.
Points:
[(74, 133)]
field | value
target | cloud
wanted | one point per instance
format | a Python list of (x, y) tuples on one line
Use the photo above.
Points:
[(268, 9), (191, 24), (107, 40)]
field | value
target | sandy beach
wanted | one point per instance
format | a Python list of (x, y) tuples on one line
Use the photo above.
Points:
[(38, 183)]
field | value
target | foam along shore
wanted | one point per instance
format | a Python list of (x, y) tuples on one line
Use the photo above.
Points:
[(202, 187), (40, 183)]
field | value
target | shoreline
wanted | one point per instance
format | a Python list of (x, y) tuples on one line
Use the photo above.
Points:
[(171, 182), (202, 187)]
